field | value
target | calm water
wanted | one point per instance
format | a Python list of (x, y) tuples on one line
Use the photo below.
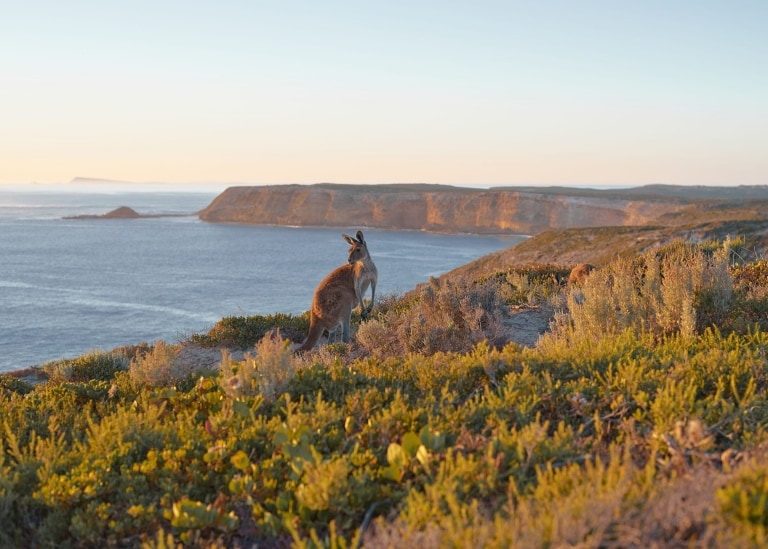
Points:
[(70, 286)]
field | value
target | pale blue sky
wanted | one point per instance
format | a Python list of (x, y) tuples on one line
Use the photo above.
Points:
[(491, 93)]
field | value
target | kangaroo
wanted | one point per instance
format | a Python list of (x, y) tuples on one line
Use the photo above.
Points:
[(340, 292), (579, 273)]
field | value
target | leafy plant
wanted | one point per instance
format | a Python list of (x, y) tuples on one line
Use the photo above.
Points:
[(13, 384), (96, 365), (243, 332)]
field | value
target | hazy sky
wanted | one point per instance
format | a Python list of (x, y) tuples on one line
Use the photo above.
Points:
[(465, 92)]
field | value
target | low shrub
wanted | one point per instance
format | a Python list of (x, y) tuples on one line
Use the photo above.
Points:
[(242, 332), (14, 385), (96, 365), (531, 284), (449, 316), (266, 373), (680, 289), (160, 366)]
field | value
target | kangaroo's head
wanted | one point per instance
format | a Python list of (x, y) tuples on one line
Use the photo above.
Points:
[(358, 249)]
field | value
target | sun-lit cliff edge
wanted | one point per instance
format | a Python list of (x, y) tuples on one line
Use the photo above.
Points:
[(442, 208)]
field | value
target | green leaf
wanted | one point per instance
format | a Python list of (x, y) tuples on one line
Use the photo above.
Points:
[(241, 409), (396, 456), (433, 441), (240, 461), (392, 472), (411, 444)]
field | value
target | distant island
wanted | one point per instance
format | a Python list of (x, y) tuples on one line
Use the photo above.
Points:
[(123, 212), (448, 209)]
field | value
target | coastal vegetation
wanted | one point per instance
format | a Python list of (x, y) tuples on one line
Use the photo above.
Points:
[(638, 419)]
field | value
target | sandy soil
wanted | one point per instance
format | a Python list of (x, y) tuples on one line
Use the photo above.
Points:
[(525, 324)]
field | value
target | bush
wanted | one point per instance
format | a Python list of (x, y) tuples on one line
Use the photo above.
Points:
[(440, 316), (680, 289), (96, 365), (744, 502), (242, 332), (267, 373), (751, 297), (159, 366), (14, 385), (531, 284)]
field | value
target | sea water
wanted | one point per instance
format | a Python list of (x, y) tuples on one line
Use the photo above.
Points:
[(69, 286)]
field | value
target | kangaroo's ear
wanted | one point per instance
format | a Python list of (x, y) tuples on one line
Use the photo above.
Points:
[(349, 239), (360, 238)]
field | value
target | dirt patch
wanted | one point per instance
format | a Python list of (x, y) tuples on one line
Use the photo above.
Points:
[(205, 358), (525, 324)]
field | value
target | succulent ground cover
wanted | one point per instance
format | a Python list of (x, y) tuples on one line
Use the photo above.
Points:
[(638, 420)]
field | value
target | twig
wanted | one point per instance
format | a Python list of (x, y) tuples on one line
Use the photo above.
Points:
[(367, 519)]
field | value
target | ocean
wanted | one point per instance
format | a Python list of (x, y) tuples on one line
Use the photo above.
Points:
[(69, 286)]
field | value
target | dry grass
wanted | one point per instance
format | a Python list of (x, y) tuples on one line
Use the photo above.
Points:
[(676, 290), (266, 373), (439, 317), (160, 366)]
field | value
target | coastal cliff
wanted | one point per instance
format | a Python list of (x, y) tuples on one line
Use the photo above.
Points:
[(437, 208)]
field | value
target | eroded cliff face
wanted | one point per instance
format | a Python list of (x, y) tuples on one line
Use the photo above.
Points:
[(422, 207)]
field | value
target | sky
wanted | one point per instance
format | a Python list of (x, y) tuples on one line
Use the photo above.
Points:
[(587, 93)]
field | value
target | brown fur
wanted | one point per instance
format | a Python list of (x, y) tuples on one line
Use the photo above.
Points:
[(340, 292), (580, 272)]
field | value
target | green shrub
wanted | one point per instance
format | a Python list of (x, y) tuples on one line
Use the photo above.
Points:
[(96, 365), (530, 284), (744, 502), (243, 332), (13, 384)]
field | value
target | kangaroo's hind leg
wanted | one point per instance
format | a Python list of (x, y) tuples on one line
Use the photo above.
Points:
[(345, 321), (335, 333)]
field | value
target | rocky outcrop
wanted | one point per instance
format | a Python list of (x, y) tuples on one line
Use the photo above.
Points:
[(436, 208), (123, 212)]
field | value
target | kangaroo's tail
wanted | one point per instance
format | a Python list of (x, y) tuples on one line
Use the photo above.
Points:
[(315, 331)]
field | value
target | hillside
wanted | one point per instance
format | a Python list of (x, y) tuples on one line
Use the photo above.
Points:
[(637, 420), (601, 245), (442, 208), (709, 220)]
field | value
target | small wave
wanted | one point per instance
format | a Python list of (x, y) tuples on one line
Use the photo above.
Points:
[(15, 284), (133, 306), (84, 298)]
